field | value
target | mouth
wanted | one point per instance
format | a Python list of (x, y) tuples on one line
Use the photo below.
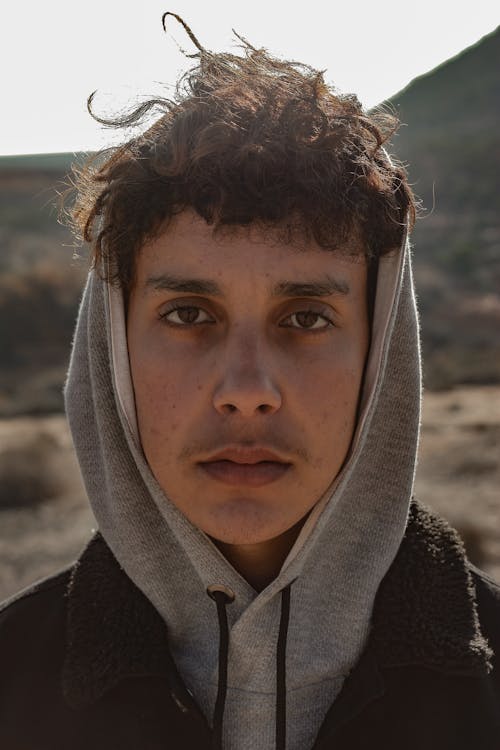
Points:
[(248, 467)]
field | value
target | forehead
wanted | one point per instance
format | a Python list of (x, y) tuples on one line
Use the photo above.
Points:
[(238, 256)]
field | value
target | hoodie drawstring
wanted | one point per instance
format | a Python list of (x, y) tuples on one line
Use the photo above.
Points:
[(223, 596), (281, 670)]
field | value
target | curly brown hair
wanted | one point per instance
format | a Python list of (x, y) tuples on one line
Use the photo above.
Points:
[(247, 139)]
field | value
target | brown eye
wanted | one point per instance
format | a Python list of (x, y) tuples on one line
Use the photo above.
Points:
[(307, 320), (186, 315)]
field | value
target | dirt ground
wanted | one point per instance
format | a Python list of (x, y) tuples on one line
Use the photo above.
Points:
[(45, 526), (459, 467)]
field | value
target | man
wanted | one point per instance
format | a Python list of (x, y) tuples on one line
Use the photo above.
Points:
[(244, 397)]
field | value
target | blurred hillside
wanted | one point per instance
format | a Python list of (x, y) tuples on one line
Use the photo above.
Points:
[(40, 284), (451, 140)]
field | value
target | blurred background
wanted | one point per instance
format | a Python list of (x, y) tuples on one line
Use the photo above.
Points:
[(448, 102)]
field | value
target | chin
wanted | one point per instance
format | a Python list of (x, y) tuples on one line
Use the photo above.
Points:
[(242, 522)]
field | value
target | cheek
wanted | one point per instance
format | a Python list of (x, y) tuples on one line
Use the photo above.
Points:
[(328, 395), (330, 385), (332, 403), (164, 386)]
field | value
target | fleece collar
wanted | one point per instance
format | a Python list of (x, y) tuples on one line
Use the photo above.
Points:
[(425, 614)]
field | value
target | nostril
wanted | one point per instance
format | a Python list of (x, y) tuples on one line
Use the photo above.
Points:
[(261, 408), (248, 395), (264, 408)]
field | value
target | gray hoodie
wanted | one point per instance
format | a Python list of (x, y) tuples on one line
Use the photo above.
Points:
[(332, 572)]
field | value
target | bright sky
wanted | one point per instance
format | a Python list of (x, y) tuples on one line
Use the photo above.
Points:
[(53, 53)]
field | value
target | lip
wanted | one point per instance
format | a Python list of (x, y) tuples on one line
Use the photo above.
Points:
[(242, 466), (241, 454)]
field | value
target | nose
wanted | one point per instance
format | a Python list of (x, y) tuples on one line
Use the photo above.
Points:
[(246, 386)]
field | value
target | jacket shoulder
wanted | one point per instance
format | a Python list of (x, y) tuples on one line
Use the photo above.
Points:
[(487, 588), (488, 608), (34, 596), (31, 622)]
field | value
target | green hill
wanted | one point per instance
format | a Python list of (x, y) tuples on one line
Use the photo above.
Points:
[(40, 283), (450, 139), (59, 162)]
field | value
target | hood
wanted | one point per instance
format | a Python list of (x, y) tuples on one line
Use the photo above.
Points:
[(332, 573)]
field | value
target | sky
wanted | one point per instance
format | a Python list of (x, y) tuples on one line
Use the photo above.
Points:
[(54, 53)]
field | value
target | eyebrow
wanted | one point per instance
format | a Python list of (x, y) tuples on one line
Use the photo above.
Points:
[(167, 282), (324, 287)]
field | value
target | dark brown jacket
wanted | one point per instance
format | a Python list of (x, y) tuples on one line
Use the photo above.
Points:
[(85, 665)]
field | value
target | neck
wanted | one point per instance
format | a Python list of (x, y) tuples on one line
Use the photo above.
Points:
[(260, 563)]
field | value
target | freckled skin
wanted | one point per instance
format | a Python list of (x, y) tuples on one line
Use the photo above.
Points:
[(250, 372)]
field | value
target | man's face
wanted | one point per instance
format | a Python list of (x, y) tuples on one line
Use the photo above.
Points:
[(247, 357)]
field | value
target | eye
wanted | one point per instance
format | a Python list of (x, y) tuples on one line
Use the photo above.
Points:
[(307, 320), (185, 315)]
